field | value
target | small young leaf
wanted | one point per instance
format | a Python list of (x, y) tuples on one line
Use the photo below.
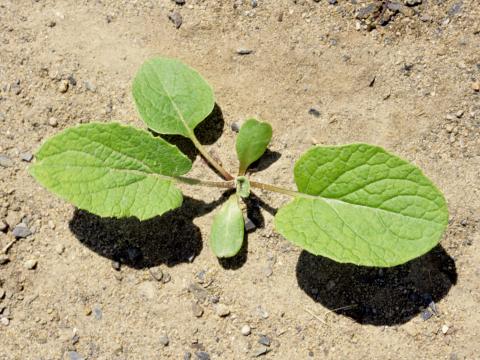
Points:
[(252, 141), (243, 186), (226, 237), (171, 97), (112, 170), (359, 204)]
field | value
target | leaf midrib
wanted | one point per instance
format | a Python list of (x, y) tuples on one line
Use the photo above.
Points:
[(180, 115), (329, 201)]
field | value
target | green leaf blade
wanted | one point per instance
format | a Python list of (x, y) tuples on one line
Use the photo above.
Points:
[(112, 170), (362, 205), (227, 232), (171, 97), (252, 141)]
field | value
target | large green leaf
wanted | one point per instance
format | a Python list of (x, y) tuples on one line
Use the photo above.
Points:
[(112, 170), (252, 141), (226, 237), (359, 204), (171, 97)]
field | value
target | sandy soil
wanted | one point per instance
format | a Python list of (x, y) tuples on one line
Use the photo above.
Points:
[(408, 85)]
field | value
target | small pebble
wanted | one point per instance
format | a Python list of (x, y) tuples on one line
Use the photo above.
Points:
[(332, 2), (5, 321), (59, 249), (21, 231), (5, 161), (53, 122), (71, 80), (244, 51), (262, 350), (116, 265), (3, 226), (314, 112), (235, 127), (156, 273), (249, 225), (187, 356), (444, 329), (459, 113), (246, 330), (197, 310), (222, 310), (164, 340), (30, 264), (27, 157), (97, 312), (264, 340), (89, 86), (51, 23), (166, 278), (476, 86), (426, 314), (176, 19), (202, 355), (4, 259), (63, 86), (73, 355), (2, 294), (262, 312), (180, 2)]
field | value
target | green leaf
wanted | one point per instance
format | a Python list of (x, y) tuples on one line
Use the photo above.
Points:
[(226, 237), (359, 204), (171, 97), (252, 141), (242, 186), (112, 170)]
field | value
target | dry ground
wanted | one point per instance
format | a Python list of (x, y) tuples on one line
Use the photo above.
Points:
[(408, 86)]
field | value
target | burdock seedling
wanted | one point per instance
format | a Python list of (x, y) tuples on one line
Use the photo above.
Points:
[(354, 203)]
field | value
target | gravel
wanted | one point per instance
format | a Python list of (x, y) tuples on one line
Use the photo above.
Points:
[(89, 86), (30, 264), (262, 350), (164, 340), (202, 355), (53, 122), (4, 259), (27, 157), (314, 112), (246, 330), (176, 19), (5, 161), (244, 51), (156, 273), (63, 86), (166, 278), (73, 355), (21, 231), (97, 312), (264, 340), (197, 310), (116, 265), (222, 310)]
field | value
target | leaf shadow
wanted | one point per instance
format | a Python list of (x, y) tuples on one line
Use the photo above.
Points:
[(207, 133), (169, 239), (377, 296), (266, 160)]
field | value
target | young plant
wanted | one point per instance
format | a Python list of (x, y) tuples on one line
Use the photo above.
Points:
[(354, 203)]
